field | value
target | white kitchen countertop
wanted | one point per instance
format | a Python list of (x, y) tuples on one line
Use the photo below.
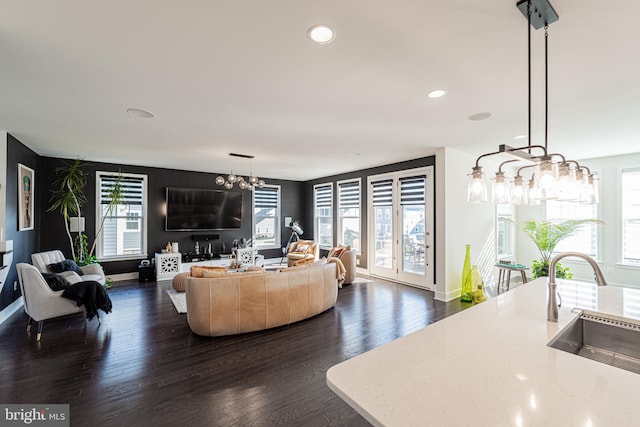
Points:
[(490, 366)]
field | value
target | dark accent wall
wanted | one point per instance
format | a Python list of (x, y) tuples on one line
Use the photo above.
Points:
[(157, 181), (24, 242), (309, 227)]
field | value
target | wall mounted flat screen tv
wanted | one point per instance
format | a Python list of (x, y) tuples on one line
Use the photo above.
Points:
[(200, 209)]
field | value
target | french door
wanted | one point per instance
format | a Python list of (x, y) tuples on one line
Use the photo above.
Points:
[(401, 231)]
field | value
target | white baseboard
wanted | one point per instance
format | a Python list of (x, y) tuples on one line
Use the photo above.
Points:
[(11, 309), (446, 296)]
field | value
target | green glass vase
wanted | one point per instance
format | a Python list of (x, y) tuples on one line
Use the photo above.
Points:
[(467, 287)]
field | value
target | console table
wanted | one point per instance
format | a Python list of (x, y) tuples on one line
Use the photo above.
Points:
[(168, 265)]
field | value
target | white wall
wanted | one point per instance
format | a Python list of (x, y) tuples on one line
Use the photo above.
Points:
[(610, 250), (459, 223)]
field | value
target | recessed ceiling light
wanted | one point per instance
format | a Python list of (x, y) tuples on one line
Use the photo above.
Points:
[(321, 34), (437, 93), (520, 136), (140, 113), (480, 116)]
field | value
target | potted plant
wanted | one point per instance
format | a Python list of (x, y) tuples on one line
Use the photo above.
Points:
[(546, 235), (68, 197)]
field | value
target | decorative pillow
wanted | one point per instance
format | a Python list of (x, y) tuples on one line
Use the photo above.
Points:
[(214, 273), (55, 282), (65, 265), (196, 270), (301, 248), (335, 252)]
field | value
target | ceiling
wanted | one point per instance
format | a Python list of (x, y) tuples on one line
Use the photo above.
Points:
[(243, 77)]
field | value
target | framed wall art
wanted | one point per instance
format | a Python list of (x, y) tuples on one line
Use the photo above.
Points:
[(26, 180)]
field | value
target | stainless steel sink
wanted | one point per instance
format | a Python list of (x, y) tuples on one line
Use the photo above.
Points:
[(605, 339)]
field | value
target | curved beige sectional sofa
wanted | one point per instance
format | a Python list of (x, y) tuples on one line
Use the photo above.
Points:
[(234, 303)]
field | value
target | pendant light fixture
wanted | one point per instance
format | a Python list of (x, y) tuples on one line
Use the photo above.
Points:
[(552, 176), (245, 184)]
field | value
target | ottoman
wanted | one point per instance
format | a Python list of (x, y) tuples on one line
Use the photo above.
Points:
[(179, 281)]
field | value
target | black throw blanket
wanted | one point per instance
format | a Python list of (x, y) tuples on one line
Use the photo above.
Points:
[(91, 294)]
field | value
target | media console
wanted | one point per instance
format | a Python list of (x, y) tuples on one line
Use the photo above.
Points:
[(168, 265)]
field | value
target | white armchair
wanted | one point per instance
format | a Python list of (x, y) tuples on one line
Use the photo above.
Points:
[(302, 251), (41, 261), (40, 302)]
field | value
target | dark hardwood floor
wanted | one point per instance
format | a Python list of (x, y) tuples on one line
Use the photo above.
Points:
[(143, 366)]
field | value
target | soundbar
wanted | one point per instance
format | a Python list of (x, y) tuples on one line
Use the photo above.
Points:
[(205, 237)]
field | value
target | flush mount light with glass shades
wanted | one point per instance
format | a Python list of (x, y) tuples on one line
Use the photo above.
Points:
[(244, 184), (552, 176)]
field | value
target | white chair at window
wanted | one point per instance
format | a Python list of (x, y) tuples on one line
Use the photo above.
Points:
[(248, 257), (40, 302)]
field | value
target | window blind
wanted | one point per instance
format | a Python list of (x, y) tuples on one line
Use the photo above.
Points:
[(324, 196), (132, 189), (412, 191), (382, 193), (349, 194), (265, 198)]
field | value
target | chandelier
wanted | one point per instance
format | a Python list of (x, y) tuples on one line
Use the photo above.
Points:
[(551, 175), (245, 184)]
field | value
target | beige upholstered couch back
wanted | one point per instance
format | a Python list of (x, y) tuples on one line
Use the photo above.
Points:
[(244, 302)]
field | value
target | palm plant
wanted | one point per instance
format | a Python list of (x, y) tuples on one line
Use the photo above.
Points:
[(546, 235), (68, 195), (68, 198)]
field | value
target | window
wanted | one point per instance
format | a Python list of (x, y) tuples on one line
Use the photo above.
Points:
[(630, 186), (412, 208), (585, 240), (349, 213), (504, 231), (124, 231), (266, 216), (133, 221), (323, 214)]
